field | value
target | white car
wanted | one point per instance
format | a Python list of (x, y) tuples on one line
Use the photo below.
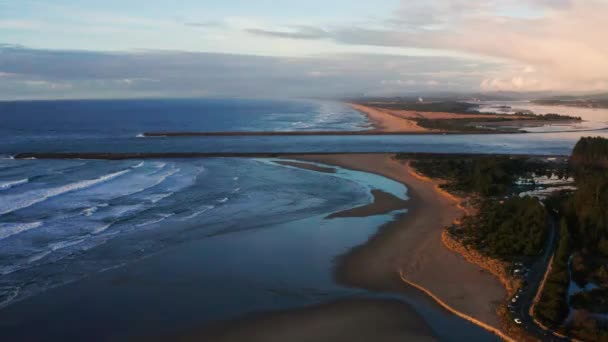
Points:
[(517, 321)]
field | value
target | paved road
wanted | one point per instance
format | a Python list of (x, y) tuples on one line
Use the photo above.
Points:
[(535, 276)]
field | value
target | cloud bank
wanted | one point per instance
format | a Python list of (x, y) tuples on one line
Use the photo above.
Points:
[(544, 45), (33, 73), (419, 46)]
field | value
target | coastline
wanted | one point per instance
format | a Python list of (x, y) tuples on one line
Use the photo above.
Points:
[(411, 247), (384, 121)]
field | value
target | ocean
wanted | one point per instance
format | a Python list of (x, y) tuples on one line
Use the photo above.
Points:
[(155, 246), (117, 125)]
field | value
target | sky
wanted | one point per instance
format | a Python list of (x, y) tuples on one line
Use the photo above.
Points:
[(263, 48)]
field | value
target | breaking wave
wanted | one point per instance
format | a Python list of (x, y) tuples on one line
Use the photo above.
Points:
[(11, 184), (10, 229), (11, 203), (198, 213), (161, 217)]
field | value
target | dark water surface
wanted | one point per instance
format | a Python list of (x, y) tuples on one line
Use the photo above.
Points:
[(97, 250)]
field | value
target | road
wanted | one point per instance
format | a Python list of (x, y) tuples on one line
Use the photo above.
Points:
[(537, 270)]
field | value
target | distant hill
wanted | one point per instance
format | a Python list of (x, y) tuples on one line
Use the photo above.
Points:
[(587, 101)]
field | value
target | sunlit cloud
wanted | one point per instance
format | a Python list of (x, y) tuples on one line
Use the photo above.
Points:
[(415, 45)]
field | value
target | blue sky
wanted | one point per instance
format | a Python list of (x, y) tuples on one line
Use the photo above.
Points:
[(325, 47)]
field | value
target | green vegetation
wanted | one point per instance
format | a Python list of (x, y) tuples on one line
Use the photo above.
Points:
[(583, 249), (484, 175), (588, 207), (465, 125), (595, 301), (438, 106), (456, 107), (585, 327), (590, 156), (505, 230), (509, 228), (552, 307), (590, 101), (557, 117)]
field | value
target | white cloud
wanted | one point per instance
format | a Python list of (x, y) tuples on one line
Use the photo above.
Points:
[(541, 44), (19, 25)]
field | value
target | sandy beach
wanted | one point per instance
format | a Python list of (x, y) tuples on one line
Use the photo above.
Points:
[(395, 120), (384, 121), (412, 245)]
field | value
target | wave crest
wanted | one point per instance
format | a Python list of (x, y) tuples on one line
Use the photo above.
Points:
[(27, 199), (11, 184)]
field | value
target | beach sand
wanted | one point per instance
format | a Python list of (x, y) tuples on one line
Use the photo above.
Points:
[(395, 120), (412, 245), (383, 121)]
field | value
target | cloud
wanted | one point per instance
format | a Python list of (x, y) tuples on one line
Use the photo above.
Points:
[(18, 25), (297, 32), (36, 73), (542, 44), (206, 24)]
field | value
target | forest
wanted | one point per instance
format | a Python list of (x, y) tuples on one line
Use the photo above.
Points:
[(582, 255)]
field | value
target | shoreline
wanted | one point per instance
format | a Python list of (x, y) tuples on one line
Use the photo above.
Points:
[(411, 248), (186, 155), (385, 121)]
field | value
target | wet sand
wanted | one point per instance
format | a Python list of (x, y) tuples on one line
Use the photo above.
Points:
[(412, 245), (383, 203), (307, 166), (355, 320)]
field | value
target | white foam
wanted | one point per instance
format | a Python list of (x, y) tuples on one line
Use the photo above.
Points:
[(10, 203), (124, 210), (140, 135), (101, 228), (198, 213), (11, 184), (138, 165), (158, 197), (38, 256), (89, 211), (161, 217), (135, 184), (64, 244), (10, 229), (223, 200), (7, 294)]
